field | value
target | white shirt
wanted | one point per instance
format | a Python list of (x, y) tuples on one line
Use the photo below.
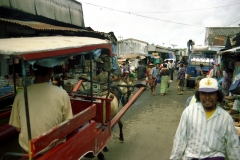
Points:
[(168, 65), (171, 65), (199, 137)]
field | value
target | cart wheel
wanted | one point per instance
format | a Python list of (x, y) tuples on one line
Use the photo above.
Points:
[(105, 149), (100, 156)]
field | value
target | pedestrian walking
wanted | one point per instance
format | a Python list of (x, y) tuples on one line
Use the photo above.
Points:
[(186, 75), (153, 81), (181, 78), (206, 131), (171, 70), (141, 73), (148, 78), (164, 74)]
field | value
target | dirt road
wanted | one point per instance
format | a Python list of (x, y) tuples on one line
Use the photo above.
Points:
[(149, 127)]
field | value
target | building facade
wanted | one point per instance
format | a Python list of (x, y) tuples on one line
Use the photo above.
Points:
[(216, 37), (131, 46)]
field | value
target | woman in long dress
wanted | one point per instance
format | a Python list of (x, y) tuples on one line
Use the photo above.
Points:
[(153, 78), (164, 73)]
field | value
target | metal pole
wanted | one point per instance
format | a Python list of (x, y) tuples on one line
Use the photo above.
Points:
[(14, 78), (26, 106), (126, 107), (108, 84), (91, 78)]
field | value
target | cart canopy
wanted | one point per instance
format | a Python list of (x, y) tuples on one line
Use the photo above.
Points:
[(45, 47)]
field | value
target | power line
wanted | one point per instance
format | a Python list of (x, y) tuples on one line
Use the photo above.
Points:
[(192, 10), (199, 34), (224, 25), (142, 15), (231, 22)]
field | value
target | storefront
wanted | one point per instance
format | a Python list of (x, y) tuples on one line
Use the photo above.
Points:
[(231, 59)]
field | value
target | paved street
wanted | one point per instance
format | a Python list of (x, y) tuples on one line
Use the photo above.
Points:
[(149, 127)]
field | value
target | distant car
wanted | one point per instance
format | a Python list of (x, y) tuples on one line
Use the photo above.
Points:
[(169, 60)]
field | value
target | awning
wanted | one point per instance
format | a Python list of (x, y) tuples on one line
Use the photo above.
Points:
[(142, 57), (236, 82), (230, 51), (43, 47)]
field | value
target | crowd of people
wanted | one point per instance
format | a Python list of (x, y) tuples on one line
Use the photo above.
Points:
[(161, 74)]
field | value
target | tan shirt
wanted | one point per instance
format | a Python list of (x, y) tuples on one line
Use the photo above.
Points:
[(49, 105)]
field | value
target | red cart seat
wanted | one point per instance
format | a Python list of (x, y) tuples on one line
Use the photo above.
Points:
[(7, 132)]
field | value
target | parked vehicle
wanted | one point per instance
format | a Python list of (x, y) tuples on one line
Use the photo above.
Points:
[(197, 57)]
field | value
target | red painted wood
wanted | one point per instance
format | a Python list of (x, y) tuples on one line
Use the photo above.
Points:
[(6, 95), (5, 114), (62, 52), (108, 111), (62, 130), (77, 86), (7, 132), (76, 146), (79, 105), (126, 107), (87, 139)]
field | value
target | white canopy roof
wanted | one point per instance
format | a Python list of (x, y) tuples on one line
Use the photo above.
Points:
[(28, 48)]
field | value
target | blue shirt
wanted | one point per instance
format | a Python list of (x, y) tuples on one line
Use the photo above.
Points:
[(155, 72)]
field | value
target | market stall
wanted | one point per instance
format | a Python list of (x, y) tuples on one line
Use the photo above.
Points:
[(231, 59)]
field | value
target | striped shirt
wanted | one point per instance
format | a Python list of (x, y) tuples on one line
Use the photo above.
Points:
[(199, 137)]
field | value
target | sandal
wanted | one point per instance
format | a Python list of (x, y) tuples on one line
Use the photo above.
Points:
[(180, 93), (162, 94)]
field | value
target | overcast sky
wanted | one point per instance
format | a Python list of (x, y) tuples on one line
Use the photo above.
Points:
[(162, 22)]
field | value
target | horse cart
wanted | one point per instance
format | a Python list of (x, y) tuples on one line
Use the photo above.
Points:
[(90, 129)]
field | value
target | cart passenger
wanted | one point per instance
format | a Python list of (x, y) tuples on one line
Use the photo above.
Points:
[(48, 106), (56, 80)]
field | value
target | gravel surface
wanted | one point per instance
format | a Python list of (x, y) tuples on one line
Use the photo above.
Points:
[(149, 127)]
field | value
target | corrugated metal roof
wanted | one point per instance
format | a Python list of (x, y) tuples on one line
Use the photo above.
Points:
[(66, 11), (38, 25), (224, 31), (44, 26)]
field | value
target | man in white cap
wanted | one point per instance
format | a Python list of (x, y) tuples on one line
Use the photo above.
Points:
[(206, 131)]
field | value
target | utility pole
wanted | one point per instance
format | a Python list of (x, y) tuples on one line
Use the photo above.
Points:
[(174, 45), (120, 37)]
